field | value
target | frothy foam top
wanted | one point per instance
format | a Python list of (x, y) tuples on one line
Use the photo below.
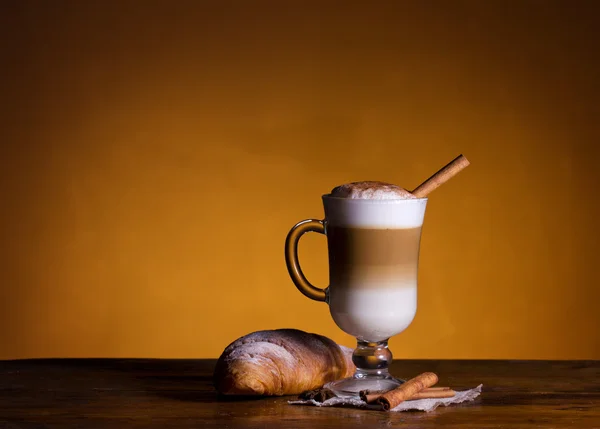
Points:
[(371, 190), (361, 213)]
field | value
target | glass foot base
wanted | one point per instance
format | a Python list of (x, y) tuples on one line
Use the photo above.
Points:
[(352, 386)]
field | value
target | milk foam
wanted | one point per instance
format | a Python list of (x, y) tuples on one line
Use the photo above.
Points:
[(386, 210), (360, 213), (371, 190), (373, 314)]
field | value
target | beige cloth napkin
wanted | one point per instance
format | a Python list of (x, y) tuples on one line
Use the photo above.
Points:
[(418, 404)]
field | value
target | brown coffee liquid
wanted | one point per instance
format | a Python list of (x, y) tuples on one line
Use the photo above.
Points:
[(371, 257)]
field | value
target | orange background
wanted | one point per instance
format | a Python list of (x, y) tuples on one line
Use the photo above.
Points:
[(155, 154)]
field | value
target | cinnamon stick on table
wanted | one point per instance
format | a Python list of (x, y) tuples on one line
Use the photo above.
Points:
[(449, 393), (427, 393), (435, 389), (405, 391)]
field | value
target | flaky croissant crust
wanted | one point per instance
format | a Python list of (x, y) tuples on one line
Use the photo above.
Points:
[(280, 362)]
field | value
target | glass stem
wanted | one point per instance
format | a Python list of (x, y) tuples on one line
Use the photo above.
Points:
[(372, 359)]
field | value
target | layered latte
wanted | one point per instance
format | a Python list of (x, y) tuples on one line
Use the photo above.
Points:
[(373, 232)]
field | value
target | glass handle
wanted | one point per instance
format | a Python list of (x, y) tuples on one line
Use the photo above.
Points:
[(291, 258)]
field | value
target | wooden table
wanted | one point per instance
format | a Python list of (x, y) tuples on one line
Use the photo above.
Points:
[(136, 393)]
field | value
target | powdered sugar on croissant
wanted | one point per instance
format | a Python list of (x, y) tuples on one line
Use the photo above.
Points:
[(280, 362)]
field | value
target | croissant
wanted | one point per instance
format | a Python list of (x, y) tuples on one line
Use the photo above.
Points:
[(280, 362)]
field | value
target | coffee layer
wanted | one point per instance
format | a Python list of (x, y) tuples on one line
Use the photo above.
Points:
[(373, 258)]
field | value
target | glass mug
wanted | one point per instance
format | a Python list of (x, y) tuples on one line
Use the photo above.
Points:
[(373, 248)]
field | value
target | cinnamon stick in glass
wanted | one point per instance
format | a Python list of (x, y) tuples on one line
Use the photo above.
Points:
[(442, 176)]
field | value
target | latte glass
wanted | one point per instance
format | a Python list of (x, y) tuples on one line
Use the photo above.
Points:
[(373, 248)]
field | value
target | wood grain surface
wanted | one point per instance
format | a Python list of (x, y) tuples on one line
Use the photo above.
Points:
[(136, 393)]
